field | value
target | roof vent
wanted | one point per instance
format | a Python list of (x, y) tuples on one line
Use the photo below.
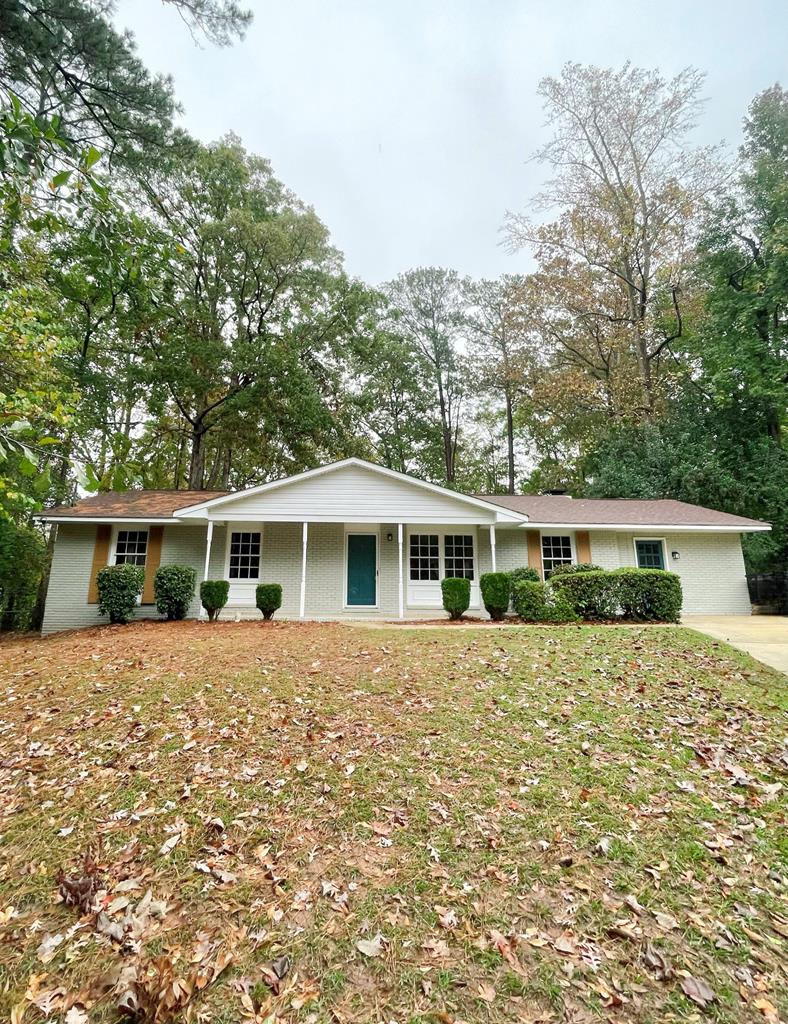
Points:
[(559, 491)]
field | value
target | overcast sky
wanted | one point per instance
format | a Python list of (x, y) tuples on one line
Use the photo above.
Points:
[(408, 124)]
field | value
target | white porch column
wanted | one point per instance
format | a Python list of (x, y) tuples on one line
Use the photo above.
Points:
[(304, 536), (492, 546), (208, 539), (401, 586)]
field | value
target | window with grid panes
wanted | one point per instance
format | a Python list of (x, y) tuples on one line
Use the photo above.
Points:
[(244, 555), (458, 556), (555, 551), (650, 554), (424, 556), (131, 547)]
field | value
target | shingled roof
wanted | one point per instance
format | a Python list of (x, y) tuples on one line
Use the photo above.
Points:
[(565, 510), (131, 505)]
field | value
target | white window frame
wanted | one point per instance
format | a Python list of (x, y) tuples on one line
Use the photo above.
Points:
[(372, 530), (125, 528), (412, 588), (242, 528), (652, 540), (557, 533)]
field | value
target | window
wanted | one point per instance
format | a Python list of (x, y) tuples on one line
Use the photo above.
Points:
[(650, 554), (131, 547), (458, 556), (244, 556), (424, 556), (555, 551)]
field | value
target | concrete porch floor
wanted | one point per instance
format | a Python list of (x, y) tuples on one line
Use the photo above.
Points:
[(765, 637)]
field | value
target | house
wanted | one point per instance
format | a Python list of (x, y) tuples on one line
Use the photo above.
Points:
[(353, 539)]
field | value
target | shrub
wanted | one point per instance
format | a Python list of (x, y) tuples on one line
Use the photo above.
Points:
[(495, 588), (648, 595), (213, 597), (569, 568), (592, 593), (268, 597), (119, 586), (173, 589), (525, 574), (456, 596), (536, 602)]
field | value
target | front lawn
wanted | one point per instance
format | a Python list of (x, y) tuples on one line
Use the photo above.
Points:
[(328, 823)]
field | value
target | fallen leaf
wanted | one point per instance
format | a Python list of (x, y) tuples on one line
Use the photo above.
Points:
[(371, 947), (697, 990)]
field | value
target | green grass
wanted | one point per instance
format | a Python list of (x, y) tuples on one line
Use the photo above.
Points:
[(494, 803)]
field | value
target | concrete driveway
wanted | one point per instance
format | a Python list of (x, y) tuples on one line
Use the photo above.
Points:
[(765, 637)]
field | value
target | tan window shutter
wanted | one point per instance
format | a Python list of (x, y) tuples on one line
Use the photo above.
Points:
[(100, 559), (155, 534), (583, 546), (535, 550)]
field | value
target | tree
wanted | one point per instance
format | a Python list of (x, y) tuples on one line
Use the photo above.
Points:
[(500, 332), (742, 343), (631, 191), (429, 307), (249, 313)]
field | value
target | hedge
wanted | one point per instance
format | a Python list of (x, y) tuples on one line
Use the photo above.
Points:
[(592, 593), (570, 568), (268, 597), (213, 597), (456, 596), (648, 595), (119, 586), (495, 588), (536, 602), (173, 590)]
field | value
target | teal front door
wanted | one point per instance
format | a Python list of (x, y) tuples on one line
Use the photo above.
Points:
[(362, 569)]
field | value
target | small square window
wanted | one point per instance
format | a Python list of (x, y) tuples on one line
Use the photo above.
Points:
[(131, 547), (556, 550), (244, 556), (650, 554)]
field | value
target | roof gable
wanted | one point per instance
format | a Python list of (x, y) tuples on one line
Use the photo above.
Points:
[(352, 491)]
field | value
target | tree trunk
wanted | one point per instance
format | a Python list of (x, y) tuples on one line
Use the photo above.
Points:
[(510, 441), (197, 462)]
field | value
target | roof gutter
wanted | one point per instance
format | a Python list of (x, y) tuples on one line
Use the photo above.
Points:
[(640, 527)]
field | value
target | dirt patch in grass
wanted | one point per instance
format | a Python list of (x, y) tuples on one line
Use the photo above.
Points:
[(314, 822)]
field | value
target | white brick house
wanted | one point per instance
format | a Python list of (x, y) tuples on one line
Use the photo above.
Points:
[(353, 539)]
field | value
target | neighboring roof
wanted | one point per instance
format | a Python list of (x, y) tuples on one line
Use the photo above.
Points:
[(130, 505), (555, 509)]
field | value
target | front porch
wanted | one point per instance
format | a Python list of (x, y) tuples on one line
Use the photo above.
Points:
[(352, 570)]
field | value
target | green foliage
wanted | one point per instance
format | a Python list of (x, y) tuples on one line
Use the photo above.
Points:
[(537, 602), (495, 590), (592, 592), (573, 567), (173, 589), (119, 586), (523, 573), (22, 561), (213, 597), (648, 595), (456, 594), (268, 597)]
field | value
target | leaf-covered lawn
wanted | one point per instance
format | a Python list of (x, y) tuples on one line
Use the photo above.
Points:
[(329, 823)]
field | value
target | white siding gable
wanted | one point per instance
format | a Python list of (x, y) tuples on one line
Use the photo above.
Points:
[(353, 494)]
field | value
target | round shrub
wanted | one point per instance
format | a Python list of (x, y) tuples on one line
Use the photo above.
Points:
[(495, 588), (591, 593), (523, 574), (173, 589), (119, 586), (268, 597), (648, 595), (213, 597), (456, 596), (536, 602), (570, 568)]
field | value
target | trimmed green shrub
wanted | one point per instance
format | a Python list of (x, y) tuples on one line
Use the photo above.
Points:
[(268, 597), (119, 586), (524, 574), (495, 588), (648, 595), (536, 602), (592, 593), (213, 597), (173, 589), (569, 568), (456, 596)]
